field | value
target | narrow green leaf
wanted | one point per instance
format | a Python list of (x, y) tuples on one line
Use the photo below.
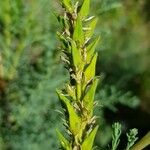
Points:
[(67, 4), (90, 70), (65, 42), (88, 142), (91, 49), (84, 11), (89, 96), (74, 119), (61, 20), (91, 27), (78, 34), (64, 142), (76, 56)]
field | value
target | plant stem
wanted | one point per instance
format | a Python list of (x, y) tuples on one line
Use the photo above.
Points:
[(144, 142)]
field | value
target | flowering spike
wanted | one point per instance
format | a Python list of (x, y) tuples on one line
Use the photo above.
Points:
[(80, 58)]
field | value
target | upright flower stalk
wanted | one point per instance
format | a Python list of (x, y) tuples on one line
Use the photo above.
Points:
[(77, 97)]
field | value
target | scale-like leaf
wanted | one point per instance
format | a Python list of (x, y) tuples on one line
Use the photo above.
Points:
[(91, 49), (64, 142), (88, 142), (90, 70), (71, 91), (74, 119), (89, 96), (78, 34), (91, 27), (84, 11)]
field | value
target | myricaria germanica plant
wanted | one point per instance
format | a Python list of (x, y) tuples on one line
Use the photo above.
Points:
[(77, 98)]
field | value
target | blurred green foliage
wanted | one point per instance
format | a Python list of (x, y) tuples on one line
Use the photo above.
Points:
[(30, 70)]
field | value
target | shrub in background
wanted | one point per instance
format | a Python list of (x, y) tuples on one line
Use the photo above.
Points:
[(27, 102)]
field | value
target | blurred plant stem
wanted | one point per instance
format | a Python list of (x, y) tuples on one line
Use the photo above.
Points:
[(143, 143)]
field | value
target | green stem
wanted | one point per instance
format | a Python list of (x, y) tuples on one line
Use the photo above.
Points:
[(144, 142)]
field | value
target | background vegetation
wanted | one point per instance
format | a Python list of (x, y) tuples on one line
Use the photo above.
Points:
[(30, 71)]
